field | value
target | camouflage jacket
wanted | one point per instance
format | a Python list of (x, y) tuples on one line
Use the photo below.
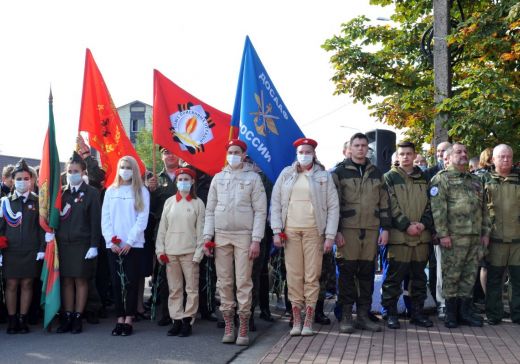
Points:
[(363, 199), (458, 204), (503, 202), (408, 202)]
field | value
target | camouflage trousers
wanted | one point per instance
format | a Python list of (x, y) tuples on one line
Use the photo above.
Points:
[(405, 260), (460, 266)]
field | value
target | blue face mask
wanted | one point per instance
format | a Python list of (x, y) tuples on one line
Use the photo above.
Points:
[(184, 186), (74, 179), (423, 168)]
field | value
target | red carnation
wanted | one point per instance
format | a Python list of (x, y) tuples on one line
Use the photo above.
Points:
[(3, 242), (210, 245), (116, 240), (164, 259), (283, 236)]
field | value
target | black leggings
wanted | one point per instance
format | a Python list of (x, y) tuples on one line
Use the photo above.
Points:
[(131, 266)]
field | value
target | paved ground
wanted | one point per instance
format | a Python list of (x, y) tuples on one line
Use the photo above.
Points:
[(490, 344), (149, 344)]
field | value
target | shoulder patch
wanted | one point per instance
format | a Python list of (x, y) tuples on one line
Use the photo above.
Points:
[(434, 191)]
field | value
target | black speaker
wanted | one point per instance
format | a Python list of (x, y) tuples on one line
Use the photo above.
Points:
[(382, 145)]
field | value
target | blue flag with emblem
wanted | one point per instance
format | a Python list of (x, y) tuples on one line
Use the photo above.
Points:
[(261, 118)]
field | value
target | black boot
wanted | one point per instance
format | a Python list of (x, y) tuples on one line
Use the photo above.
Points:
[(319, 315), (12, 324), (451, 313), (186, 327), (418, 317), (466, 316), (392, 318), (77, 323), (265, 314), (22, 324), (65, 322), (176, 328), (252, 326)]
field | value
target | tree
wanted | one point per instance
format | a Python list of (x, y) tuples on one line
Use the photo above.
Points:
[(383, 66), (144, 147)]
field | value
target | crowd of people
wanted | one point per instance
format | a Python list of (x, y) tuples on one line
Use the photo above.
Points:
[(193, 233)]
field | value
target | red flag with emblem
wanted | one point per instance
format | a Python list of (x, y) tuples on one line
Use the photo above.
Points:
[(100, 119), (189, 128)]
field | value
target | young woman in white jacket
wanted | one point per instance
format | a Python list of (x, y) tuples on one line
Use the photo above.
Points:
[(179, 246), (304, 219), (124, 217)]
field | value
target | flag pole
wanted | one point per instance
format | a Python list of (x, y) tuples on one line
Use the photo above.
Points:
[(154, 159)]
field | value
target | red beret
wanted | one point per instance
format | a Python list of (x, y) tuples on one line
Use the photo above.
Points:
[(188, 171), (238, 143), (305, 141)]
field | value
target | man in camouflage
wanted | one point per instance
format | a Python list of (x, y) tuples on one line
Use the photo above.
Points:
[(462, 223), (502, 187), (410, 237), (363, 214)]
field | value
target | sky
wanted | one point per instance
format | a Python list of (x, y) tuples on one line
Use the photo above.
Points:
[(196, 44)]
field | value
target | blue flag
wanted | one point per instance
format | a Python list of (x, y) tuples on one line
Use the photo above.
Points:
[(261, 117)]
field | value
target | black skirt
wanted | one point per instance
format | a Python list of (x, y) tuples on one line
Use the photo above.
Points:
[(72, 260), (21, 264)]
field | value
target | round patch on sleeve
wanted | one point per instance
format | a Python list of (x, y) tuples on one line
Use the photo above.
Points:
[(434, 191)]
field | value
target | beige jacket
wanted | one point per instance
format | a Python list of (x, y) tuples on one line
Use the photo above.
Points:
[(324, 197), (237, 204), (180, 229)]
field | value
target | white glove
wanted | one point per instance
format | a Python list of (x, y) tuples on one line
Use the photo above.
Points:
[(40, 256), (1, 260), (49, 237), (91, 253)]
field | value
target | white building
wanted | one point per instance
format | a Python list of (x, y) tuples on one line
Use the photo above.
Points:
[(135, 116)]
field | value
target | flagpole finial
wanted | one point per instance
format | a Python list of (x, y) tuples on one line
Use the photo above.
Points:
[(50, 95)]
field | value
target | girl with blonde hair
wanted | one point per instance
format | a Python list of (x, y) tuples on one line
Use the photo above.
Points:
[(124, 217)]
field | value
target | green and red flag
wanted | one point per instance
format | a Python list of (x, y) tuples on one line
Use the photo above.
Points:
[(50, 206)]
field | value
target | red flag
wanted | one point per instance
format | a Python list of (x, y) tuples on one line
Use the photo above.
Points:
[(189, 128), (100, 119)]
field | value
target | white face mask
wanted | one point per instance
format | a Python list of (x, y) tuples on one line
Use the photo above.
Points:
[(233, 160), (304, 159), (184, 186), (125, 174), (21, 186), (74, 179)]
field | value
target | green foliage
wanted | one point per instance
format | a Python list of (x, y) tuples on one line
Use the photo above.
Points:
[(382, 66), (144, 147)]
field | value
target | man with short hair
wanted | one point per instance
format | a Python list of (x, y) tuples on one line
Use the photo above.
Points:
[(410, 237), (462, 225), (440, 165), (363, 214), (502, 187)]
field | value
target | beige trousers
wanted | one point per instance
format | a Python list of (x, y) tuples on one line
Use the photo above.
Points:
[(303, 259), (182, 268), (234, 267)]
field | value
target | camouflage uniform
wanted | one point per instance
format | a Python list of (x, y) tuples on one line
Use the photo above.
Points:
[(363, 211), (407, 254), (503, 201), (459, 211)]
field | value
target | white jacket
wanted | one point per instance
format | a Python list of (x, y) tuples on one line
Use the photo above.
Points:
[(324, 198), (237, 204)]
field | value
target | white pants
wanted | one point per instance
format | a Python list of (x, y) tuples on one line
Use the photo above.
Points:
[(439, 296)]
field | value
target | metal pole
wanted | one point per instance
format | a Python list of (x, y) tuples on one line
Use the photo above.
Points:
[(441, 64)]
